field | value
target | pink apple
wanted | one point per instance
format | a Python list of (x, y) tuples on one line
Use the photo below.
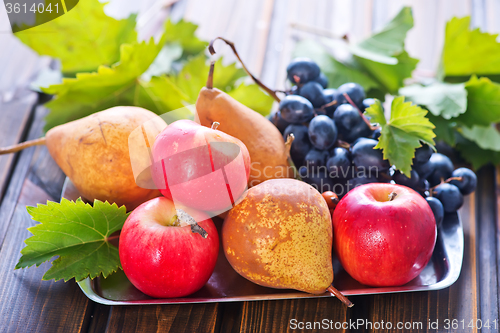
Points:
[(200, 167), (161, 259), (384, 234)]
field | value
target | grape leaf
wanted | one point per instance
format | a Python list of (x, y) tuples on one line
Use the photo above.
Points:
[(441, 99), (79, 234), (83, 39), (183, 33), (467, 52), (486, 137), (403, 133), (388, 42), (445, 129), (483, 102), (475, 155), (252, 96), (391, 77), (337, 72)]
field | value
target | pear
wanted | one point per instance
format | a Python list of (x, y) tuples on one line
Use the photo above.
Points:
[(94, 153), (280, 236), (268, 152)]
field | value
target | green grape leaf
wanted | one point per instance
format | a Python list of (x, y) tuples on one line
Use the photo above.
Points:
[(441, 99), (404, 132), (337, 72), (391, 77), (183, 33), (486, 137), (79, 234), (252, 96), (475, 155), (445, 129), (84, 38), (467, 52), (388, 42), (109, 86), (483, 102)]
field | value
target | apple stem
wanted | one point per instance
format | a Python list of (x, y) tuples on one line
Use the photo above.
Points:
[(196, 228), (210, 80), (215, 124), (392, 196), (185, 219), (22, 145), (256, 80), (339, 295)]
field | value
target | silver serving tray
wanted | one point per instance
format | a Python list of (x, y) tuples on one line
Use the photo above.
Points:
[(225, 285)]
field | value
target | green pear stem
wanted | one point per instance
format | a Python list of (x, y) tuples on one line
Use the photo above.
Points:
[(339, 295), (22, 145), (256, 80)]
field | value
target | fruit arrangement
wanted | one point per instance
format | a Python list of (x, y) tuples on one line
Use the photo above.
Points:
[(326, 173)]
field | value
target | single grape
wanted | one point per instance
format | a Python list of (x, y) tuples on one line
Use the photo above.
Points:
[(367, 102), (422, 154), (412, 182), (339, 163), (365, 157), (376, 133), (424, 169), (296, 109), (350, 123), (302, 70), (322, 79), (355, 92), (331, 199), (443, 168), (295, 90), (467, 182), (437, 209), (322, 132), (280, 123), (316, 158), (300, 145), (450, 197), (330, 96), (313, 91)]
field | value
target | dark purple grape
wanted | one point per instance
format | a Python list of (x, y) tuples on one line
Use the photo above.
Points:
[(313, 92), (437, 209), (443, 168), (296, 109), (318, 180), (362, 180), (330, 96), (412, 182), (422, 154), (350, 123), (450, 197), (323, 80), (339, 162), (280, 123), (376, 133), (295, 90), (300, 145), (367, 102), (302, 70), (316, 158), (365, 156), (355, 92), (322, 132), (468, 182), (424, 169)]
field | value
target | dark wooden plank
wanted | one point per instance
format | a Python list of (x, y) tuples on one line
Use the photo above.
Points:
[(14, 118), (28, 303)]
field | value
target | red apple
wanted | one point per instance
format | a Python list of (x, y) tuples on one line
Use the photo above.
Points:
[(384, 234), (200, 167), (161, 259)]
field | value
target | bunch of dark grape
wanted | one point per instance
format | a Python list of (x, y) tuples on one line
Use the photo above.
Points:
[(333, 147)]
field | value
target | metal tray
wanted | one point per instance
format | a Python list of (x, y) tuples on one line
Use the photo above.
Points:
[(225, 285)]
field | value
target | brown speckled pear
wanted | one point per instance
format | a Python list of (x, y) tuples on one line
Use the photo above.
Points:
[(94, 153), (265, 143), (280, 236)]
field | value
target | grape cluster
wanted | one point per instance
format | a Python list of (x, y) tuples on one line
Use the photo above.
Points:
[(334, 142)]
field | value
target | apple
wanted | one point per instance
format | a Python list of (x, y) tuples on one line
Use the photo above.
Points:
[(384, 234), (161, 255), (200, 167)]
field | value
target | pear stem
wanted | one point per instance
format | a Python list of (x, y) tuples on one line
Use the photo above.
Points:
[(339, 295), (256, 80), (210, 80), (22, 145)]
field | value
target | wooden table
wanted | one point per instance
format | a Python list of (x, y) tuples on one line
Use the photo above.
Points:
[(264, 36)]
